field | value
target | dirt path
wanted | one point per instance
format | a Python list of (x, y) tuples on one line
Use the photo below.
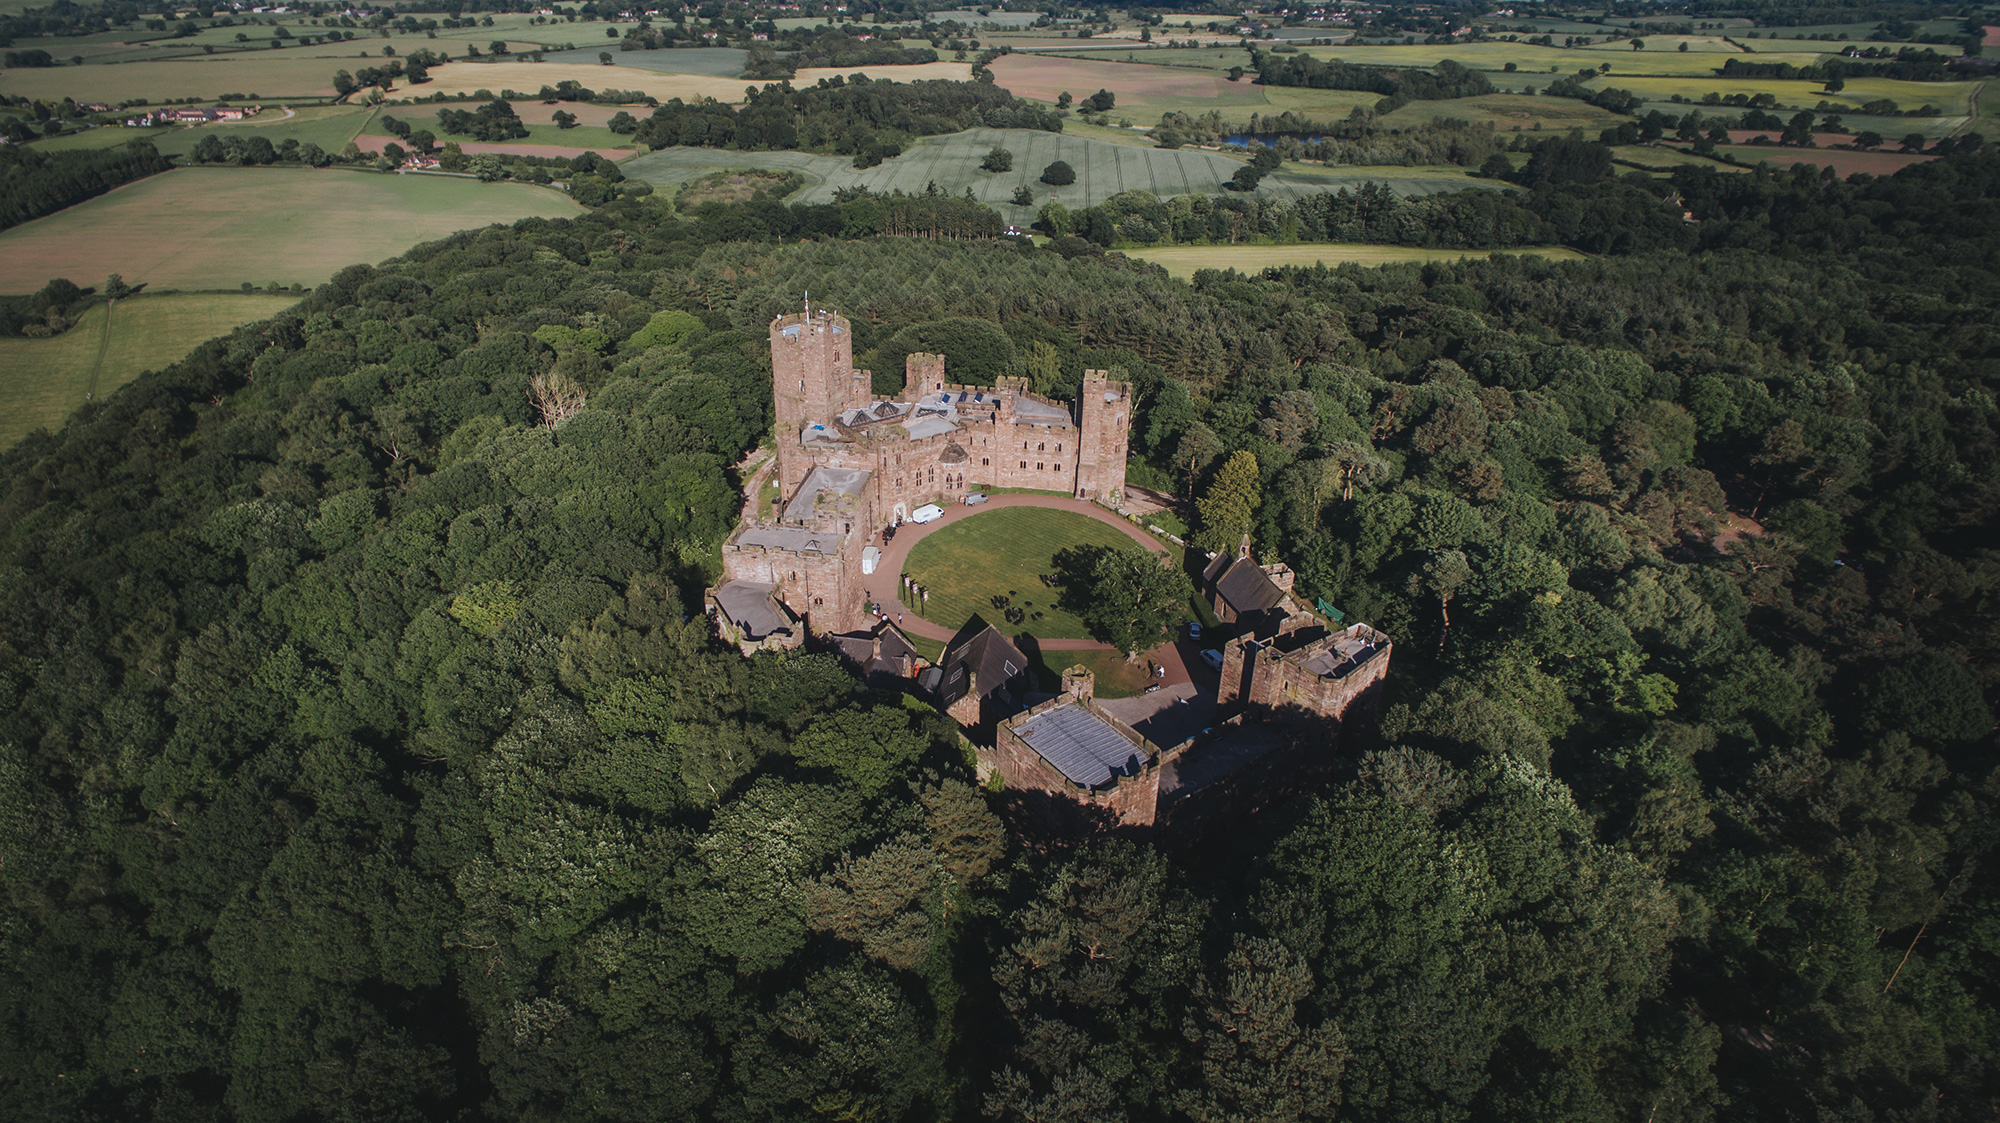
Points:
[(884, 586)]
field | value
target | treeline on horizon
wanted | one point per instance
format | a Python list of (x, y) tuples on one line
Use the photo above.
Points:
[(366, 754)]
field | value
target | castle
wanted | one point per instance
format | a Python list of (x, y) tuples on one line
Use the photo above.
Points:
[(1295, 689), (1294, 684), (850, 463)]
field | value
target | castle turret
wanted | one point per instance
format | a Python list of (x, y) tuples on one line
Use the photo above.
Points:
[(812, 380), (922, 373), (1104, 415)]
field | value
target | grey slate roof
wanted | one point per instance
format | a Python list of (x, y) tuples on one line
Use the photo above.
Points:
[(988, 656), (1081, 745), (1247, 587), (748, 605)]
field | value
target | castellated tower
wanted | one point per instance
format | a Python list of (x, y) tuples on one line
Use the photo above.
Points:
[(812, 379), (1104, 418), (922, 373)]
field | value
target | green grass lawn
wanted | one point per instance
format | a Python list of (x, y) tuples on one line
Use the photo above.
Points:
[(1183, 261), (1005, 553), (1116, 678), (42, 380)]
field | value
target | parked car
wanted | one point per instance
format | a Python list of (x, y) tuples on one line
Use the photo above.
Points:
[(975, 499), (1213, 658), (1194, 629), (928, 513)]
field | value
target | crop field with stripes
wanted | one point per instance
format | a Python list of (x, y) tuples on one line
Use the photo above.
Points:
[(1103, 169)]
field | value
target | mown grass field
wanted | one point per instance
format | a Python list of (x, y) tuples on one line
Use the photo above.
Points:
[(300, 72), (215, 228), (1103, 169), (43, 380), (1005, 552), (1183, 261)]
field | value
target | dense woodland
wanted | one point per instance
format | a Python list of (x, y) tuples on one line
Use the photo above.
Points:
[(364, 753), (839, 115)]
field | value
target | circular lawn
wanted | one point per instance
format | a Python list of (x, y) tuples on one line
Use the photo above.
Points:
[(993, 565)]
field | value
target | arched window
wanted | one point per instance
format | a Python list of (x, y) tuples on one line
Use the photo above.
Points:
[(985, 463)]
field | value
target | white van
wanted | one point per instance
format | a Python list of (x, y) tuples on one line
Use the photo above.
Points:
[(928, 513), (870, 555)]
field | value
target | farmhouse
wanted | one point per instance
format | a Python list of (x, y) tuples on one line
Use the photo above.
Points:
[(851, 463)]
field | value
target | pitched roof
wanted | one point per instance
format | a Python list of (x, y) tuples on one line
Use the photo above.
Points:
[(750, 606), (1247, 587), (987, 659)]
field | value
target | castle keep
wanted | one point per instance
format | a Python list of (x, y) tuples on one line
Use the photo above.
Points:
[(850, 463)]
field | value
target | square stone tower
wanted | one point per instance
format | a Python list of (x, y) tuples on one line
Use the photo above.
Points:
[(812, 380), (1104, 418)]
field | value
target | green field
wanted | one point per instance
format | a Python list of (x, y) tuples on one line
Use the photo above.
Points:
[(213, 228), (329, 126), (1005, 553), (1103, 169), (1183, 261), (42, 380), (1662, 159), (714, 62), (299, 72)]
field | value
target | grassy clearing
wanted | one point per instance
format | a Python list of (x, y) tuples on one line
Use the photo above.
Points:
[(1182, 261), (1005, 553), (219, 227), (42, 380)]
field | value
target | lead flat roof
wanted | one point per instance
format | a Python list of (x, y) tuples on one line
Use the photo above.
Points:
[(1081, 745)]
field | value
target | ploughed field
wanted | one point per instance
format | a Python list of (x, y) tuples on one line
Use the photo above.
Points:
[(1183, 261)]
